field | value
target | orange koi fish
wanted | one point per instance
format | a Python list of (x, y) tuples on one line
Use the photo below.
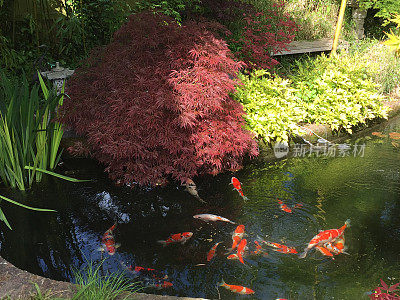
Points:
[(394, 135), (333, 248), (284, 207), (258, 250), (324, 251), (298, 205), (161, 285), (177, 238), (237, 236), (108, 241), (237, 186), (140, 271), (378, 134), (330, 235), (213, 218), (240, 250), (280, 248), (211, 253), (237, 288), (233, 256), (337, 247)]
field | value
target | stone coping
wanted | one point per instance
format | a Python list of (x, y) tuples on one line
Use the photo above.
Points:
[(19, 284)]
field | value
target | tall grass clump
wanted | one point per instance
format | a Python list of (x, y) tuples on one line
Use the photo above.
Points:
[(28, 134), (315, 18), (93, 286), (381, 64)]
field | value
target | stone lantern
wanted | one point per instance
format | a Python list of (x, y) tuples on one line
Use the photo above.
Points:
[(58, 75), (359, 16)]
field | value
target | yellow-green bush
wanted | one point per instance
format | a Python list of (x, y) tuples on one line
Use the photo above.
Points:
[(323, 91)]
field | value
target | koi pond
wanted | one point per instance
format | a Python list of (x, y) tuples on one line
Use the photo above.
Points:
[(322, 192)]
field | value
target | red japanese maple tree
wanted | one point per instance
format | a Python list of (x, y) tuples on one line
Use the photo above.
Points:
[(155, 103)]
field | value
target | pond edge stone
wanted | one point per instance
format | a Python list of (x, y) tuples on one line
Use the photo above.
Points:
[(19, 284)]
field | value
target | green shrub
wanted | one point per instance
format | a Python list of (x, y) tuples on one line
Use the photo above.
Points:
[(380, 64), (384, 8), (322, 90)]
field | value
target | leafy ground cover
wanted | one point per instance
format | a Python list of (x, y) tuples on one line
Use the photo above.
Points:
[(343, 92)]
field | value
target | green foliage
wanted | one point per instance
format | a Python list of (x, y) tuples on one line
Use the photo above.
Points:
[(315, 18), (322, 90), (394, 37), (272, 111), (3, 217), (177, 9), (380, 64), (385, 8), (98, 19), (27, 135), (93, 286)]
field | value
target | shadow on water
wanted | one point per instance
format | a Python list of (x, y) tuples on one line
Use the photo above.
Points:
[(331, 189)]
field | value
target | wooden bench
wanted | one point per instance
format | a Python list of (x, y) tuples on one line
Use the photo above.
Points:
[(320, 45)]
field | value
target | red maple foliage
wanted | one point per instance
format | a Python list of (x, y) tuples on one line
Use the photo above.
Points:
[(264, 33), (256, 33), (155, 103)]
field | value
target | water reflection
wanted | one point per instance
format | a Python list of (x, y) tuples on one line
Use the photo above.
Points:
[(364, 189)]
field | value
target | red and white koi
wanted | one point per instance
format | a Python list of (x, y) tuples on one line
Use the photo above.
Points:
[(233, 256), (258, 250), (284, 207), (237, 288), (177, 238), (333, 248), (280, 248), (212, 218), (160, 285), (141, 271), (237, 236), (240, 250), (337, 247), (108, 241), (324, 251), (326, 236), (212, 251), (237, 186)]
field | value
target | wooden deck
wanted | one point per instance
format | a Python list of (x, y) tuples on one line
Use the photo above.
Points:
[(320, 45)]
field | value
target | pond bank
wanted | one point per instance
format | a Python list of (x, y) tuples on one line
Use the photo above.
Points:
[(325, 131), (18, 284)]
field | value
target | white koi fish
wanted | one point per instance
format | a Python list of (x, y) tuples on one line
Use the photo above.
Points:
[(212, 218)]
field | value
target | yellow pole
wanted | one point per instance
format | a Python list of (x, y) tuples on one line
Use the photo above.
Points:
[(338, 27)]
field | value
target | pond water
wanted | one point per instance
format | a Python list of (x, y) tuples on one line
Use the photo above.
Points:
[(364, 189)]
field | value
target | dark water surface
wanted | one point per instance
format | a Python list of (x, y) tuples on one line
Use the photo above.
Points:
[(331, 189)]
